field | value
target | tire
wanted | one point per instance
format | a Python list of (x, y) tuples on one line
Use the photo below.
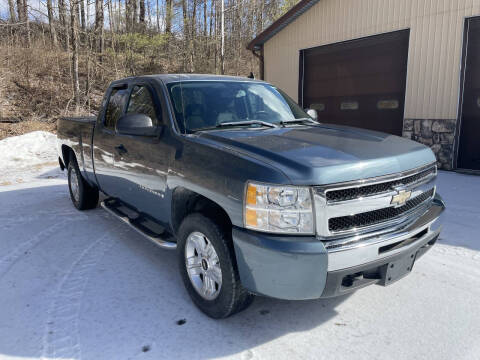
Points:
[(83, 195), (229, 296)]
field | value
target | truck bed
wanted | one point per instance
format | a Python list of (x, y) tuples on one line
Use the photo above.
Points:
[(76, 134)]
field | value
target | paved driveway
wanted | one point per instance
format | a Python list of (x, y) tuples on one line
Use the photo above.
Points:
[(82, 285)]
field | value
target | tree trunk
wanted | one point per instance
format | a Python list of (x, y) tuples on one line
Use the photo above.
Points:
[(158, 16), (11, 7), (110, 18), (82, 10), (128, 15), (112, 24), (24, 9), (222, 50), (119, 15), (74, 33), (27, 22), (168, 17), (205, 18), (216, 37), (210, 29), (87, 18), (99, 26), (62, 15), (20, 10), (79, 17), (142, 13), (149, 14), (51, 25), (134, 14), (260, 17), (185, 33), (193, 36)]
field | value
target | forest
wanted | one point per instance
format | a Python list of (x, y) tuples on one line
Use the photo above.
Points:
[(58, 56)]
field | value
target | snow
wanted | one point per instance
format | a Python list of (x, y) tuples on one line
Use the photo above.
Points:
[(82, 285), (26, 156)]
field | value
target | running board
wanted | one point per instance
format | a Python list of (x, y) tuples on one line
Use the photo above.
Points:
[(165, 242)]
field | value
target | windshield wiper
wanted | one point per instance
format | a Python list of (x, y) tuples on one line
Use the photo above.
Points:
[(247, 123), (297, 121)]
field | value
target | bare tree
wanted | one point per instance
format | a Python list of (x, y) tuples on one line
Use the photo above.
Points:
[(193, 35), (74, 33), (222, 51), (135, 14), (168, 16), (149, 14), (129, 18), (111, 19), (20, 11), (62, 15), (205, 18), (51, 25), (158, 16), (186, 33), (11, 8), (99, 33), (26, 19), (82, 11), (142, 13)]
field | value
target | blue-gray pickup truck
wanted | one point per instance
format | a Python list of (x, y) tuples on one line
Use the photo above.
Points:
[(255, 195)]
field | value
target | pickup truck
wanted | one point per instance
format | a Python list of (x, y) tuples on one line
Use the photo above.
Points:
[(255, 195)]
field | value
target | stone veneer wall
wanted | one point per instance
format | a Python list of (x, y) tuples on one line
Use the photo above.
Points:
[(438, 134)]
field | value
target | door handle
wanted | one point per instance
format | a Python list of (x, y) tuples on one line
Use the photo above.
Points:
[(121, 149)]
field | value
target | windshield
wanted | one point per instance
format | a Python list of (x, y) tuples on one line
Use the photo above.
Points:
[(201, 105)]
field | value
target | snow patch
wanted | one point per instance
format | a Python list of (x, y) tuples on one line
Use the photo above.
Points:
[(28, 156)]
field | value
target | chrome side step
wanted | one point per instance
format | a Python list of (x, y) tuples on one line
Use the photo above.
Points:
[(164, 243)]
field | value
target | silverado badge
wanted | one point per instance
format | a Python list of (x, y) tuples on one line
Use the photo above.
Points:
[(401, 197)]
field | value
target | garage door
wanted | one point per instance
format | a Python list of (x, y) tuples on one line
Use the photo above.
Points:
[(469, 143), (358, 83)]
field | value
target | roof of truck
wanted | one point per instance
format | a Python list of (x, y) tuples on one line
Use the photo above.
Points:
[(170, 78)]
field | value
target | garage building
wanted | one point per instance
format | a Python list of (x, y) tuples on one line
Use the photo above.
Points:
[(406, 67)]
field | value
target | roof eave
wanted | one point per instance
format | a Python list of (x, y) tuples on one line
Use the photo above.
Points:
[(280, 23)]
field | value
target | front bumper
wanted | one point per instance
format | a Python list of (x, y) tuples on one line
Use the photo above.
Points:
[(303, 267)]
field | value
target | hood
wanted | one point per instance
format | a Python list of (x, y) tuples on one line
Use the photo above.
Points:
[(325, 154)]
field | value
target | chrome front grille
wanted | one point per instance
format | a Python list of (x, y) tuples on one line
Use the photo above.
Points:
[(359, 207), (369, 218)]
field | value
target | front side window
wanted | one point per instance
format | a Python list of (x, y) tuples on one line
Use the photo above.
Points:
[(202, 105), (141, 102), (116, 104)]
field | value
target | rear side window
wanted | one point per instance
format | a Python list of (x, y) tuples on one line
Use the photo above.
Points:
[(141, 102), (115, 106)]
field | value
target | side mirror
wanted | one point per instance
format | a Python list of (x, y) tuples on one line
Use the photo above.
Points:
[(312, 113), (136, 124)]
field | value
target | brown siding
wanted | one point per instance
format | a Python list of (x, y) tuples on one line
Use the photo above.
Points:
[(436, 32)]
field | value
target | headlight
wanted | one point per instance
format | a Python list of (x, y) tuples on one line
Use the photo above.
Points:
[(278, 209)]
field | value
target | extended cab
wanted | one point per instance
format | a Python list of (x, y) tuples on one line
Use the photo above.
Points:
[(254, 194)]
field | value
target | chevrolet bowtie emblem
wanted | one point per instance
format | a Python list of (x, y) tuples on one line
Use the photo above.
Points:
[(401, 197)]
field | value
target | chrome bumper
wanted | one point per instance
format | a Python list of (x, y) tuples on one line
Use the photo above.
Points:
[(351, 252)]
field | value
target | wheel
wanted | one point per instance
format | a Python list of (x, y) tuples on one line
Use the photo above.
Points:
[(82, 194), (208, 268)]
